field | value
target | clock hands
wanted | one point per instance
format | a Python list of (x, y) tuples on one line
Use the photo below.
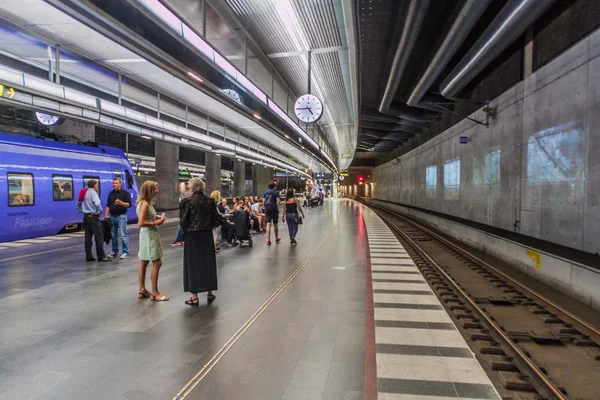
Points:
[(305, 108)]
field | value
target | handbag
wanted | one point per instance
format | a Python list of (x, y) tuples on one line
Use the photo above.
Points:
[(298, 220)]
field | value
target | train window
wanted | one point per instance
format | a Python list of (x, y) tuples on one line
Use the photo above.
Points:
[(129, 179), (62, 187), (117, 173), (86, 179), (20, 189)]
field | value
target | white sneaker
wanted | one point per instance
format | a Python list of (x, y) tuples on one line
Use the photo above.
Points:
[(124, 256), (111, 255)]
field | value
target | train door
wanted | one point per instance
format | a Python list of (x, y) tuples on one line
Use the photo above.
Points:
[(130, 185)]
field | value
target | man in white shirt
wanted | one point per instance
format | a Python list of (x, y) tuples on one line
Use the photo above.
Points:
[(256, 209)]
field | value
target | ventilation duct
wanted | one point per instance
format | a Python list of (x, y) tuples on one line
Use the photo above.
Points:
[(510, 23), (413, 22), (468, 15)]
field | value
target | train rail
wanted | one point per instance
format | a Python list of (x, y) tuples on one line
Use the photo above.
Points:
[(530, 347)]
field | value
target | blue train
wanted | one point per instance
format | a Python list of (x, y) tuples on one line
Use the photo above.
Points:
[(40, 181)]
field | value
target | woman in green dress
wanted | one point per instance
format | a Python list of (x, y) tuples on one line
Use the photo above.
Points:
[(150, 247)]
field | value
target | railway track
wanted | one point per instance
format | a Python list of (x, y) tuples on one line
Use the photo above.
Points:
[(530, 347)]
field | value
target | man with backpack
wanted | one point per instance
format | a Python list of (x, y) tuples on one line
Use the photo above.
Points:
[(271, 197)]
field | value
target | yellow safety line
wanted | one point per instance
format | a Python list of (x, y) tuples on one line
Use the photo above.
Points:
[(189, 387)]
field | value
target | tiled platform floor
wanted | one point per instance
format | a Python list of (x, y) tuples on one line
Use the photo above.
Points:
[(75, 330), (419, 352)]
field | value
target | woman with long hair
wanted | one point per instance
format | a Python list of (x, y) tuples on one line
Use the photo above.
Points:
[(150, 247), (216, 196), (291, 207), (198, 216)]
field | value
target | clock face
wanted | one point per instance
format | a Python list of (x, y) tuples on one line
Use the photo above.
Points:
[(46, 119), (233, 95), (308, 108)]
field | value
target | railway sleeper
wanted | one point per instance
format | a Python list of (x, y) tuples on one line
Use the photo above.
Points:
[(541, 311), (484, 347), (585, 343), (515, 381), (569, 330), (480, 335), (471, 325), (499, 363), (553, 320), (464, 315)]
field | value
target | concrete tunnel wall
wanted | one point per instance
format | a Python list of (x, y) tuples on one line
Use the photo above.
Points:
[(535, 170)]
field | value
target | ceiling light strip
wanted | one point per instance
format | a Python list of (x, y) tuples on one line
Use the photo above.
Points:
[(169, 18), (115, 111)]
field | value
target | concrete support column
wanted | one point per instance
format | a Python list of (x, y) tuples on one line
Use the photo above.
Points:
[(239, 177), (82, 131), (167, 175), (261, 177), (212, 176)]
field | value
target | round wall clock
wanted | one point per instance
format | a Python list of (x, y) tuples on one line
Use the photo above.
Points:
[(46, 119), (235, 96), (308, 108)]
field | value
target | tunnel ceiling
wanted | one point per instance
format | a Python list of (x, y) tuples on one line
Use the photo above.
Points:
[(418, 64)]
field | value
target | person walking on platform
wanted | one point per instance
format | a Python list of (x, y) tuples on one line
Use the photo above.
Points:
[(119, 200), (271, 197), (91, 208), (291, 207), (150, 247), (198, 216)]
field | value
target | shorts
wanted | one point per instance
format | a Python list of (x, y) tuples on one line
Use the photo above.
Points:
[(272, 217)]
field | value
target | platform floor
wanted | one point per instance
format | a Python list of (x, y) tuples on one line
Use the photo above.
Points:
[(288, 322)]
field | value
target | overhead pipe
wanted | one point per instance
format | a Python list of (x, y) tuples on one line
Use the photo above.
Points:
[(393, 139), (413, 22), (510, 23), (468, 15), (410, 113), (381, 126)]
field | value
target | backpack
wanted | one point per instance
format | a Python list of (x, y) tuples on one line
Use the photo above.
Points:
[(80, 199), (270, 202)]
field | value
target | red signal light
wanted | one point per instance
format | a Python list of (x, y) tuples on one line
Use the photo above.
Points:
[(361, 179)]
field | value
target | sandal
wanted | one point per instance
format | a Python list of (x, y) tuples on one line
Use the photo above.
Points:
[(144, 294), (210, 297), (192, 301), (159, 297)]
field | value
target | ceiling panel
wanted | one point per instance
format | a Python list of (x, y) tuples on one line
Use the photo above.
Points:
[(108, 53)]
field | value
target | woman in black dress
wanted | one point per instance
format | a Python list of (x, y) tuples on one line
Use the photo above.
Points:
[(198, 217)]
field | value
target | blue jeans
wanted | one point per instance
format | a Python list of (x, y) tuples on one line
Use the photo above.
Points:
[(179, 237), (292, 224), (119, 222)]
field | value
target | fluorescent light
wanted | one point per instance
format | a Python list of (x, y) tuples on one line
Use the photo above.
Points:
[(217, 154), (146, 137), (196, 77), (239, 159), (302, 147), (257, 116), (287, 137)]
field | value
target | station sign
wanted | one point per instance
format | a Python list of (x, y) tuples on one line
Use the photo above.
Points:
[(464, 139), (10, 92)]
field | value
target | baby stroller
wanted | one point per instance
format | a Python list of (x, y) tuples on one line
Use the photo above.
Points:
[(241, 221)]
